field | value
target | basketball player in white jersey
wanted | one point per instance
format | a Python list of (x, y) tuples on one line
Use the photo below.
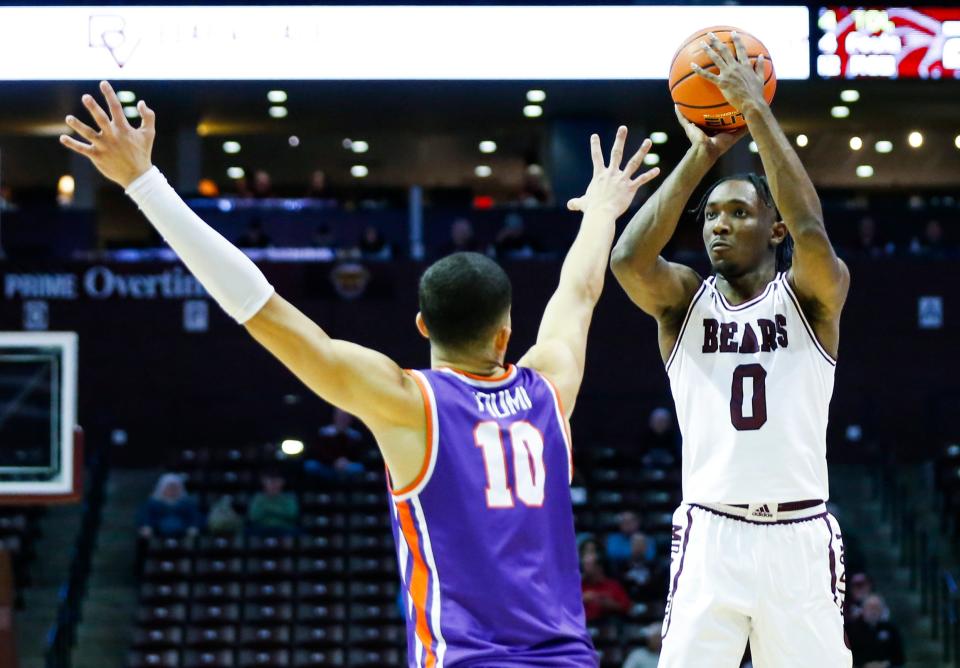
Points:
[(750, 354)]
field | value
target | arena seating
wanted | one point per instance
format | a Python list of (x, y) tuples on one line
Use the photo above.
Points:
[(329, 596)]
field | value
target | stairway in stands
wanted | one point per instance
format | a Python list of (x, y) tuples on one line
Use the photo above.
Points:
[(863, 515), (109, 609)]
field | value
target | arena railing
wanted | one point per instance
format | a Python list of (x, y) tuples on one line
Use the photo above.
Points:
[(925, 550)]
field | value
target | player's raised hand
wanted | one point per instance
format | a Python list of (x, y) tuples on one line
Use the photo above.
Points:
[(118, 150), (612, 189), (714, 145), (740, 82)]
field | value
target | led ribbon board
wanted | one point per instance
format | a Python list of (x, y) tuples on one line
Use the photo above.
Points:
[(375, 42), (904, 42)]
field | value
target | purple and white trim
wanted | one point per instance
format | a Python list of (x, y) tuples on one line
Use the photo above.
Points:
[(562, 421), (434, 444)]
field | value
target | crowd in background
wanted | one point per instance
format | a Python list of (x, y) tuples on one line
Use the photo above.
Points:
[(624, 572), (860, 227)]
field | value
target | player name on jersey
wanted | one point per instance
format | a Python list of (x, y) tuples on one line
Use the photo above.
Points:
[(742, 337), (504, 403)]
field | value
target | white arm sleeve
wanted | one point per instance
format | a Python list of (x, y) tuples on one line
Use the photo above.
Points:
[(230, 277)]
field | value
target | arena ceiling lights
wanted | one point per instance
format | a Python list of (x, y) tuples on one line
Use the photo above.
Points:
[(395, 42)]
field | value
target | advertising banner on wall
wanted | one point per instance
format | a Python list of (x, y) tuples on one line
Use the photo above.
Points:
[(590, 42)]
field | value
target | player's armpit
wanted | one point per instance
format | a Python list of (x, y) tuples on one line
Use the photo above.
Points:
[(665, 289), (359, 380)]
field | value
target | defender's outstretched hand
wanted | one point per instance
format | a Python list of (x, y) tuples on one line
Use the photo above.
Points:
[(118, 150), (740, 82), (715, 145), (611, 188)]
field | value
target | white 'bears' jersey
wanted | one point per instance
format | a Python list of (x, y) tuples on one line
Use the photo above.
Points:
[(752, 386)]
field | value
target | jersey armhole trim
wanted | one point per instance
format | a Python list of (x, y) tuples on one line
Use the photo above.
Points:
[(683, 327), (806, 325), (433, 438), (562, 419)]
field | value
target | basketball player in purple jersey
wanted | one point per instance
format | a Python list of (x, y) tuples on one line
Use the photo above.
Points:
[(477, 450), (750, 354)]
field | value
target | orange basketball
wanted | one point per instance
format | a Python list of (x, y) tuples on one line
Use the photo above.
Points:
[(699, 100)]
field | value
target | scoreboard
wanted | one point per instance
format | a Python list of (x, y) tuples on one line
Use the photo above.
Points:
[(892, 42)]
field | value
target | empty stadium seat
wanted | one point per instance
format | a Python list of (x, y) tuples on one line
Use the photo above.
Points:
[(275, 657), (317, 658), (164, 659), (155, 640), (268, 592), (265, 637), (320, 592), (217, 592), (153, 593), (318, 635), (211, 636), (223, 658)]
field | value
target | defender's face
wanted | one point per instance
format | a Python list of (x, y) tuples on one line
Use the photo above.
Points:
[(736, 228)]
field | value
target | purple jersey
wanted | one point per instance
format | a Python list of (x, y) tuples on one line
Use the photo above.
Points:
[(484, 536)]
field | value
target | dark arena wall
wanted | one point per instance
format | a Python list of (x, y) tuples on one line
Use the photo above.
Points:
[(141, 372)]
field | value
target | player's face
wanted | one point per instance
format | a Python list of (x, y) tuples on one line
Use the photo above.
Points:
[(736, 228)]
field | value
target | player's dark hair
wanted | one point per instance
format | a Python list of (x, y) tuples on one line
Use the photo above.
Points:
[(760, 184), (463, 298)]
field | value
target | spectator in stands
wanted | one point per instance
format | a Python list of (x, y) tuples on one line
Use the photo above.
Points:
[(931, 244), (462, 238), (649, 655), (602, 596), (587, 544), (860, 588), (868, 242), (254, 236), (241, 186), (338, 448), (513, 239), (640, 574), (223, 517), (618, 548), (262, 184), (875, 643), (373, 246), (324, 237), (661, 441), (535, 191), (273, 512), (170, 512), (318, 185)]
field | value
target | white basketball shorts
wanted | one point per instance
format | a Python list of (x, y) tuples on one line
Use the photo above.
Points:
[(777, 581)]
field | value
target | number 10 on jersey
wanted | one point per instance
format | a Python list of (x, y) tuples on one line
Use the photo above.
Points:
[(529, 471)]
